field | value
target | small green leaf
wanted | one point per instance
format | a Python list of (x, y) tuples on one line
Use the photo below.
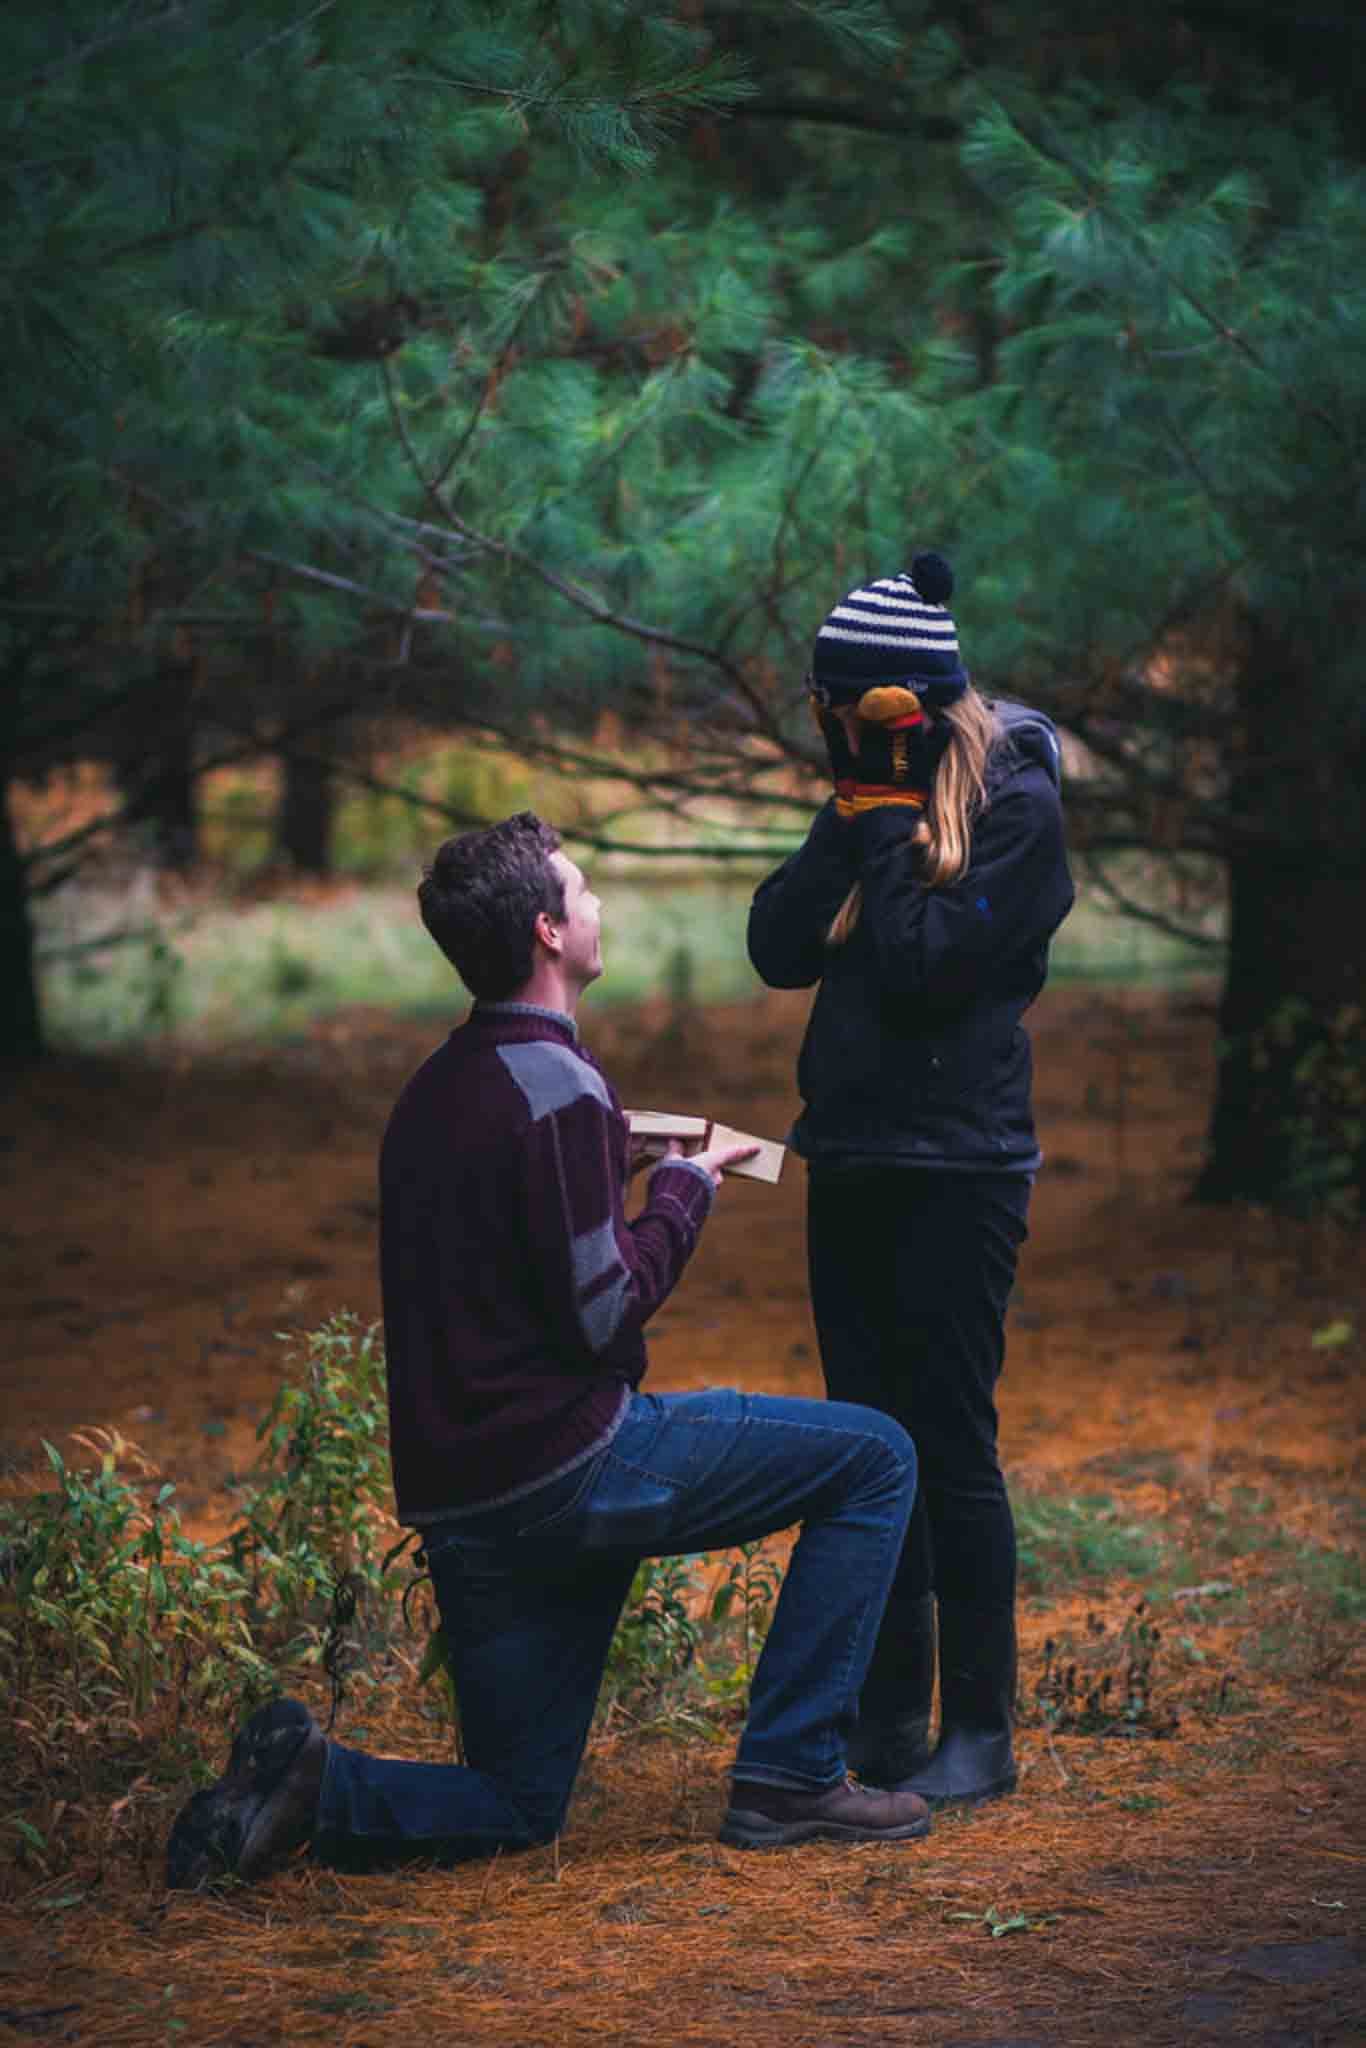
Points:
[(435, 1657), (1018, 1923), (1332, 1335)]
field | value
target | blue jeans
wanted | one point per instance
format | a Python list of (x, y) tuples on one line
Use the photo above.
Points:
[(530, 1593)]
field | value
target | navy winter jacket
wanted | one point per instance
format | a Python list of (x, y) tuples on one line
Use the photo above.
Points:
[(915, 1054)]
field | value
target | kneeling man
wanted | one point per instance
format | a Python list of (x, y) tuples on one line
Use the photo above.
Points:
[(516, 1294)]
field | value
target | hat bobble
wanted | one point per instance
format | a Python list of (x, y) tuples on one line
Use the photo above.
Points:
[(932, 577)]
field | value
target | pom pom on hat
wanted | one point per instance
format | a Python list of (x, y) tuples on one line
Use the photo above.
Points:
[(932, 577), (894, 631)]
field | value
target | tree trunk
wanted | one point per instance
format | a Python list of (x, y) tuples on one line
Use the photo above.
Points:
[(21, 1031), (303, 825), (1289, 1120), (156, 769)]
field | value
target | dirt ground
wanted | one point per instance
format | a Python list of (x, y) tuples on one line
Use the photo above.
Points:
[(164, 1222)]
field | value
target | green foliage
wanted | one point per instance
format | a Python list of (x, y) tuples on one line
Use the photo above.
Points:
[(747, 1593), (1325, 1128), (657, 1640), (106, 1603), (123, 993), (317, 1514), (108, 1607), (109, 1610), (997, 1923), (1317, 1634), (683, 1656), (1066, 1540)]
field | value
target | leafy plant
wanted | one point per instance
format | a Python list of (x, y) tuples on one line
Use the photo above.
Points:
[(657, 1639), (747, 1594), (1105, 1686), (1325, 1124), (105, 1600), (998, 1924), (315, 1533)]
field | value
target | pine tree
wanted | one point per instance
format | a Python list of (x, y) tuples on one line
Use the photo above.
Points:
[(347, 376), (221, 218)]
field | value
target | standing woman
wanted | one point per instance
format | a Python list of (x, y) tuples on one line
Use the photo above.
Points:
[(922, 904)]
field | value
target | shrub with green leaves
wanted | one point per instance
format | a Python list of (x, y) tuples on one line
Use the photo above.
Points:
[(104, 1599), (318, 1505)]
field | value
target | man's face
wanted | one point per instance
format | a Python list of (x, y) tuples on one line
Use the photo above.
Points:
[(581, 926)]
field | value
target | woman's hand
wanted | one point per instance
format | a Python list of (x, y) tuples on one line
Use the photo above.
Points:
[(876, 762)]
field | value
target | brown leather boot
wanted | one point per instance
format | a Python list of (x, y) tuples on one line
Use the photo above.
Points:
[(776, 1816), (262, 1808)]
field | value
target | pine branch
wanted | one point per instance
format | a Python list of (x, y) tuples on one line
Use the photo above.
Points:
[(561, 755), (124, 33), (1046, 145), (580, 599), (438, 807), (849, 114), (1144, 913)]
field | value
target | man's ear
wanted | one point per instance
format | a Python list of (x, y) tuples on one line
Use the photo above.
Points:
[(547, 931)]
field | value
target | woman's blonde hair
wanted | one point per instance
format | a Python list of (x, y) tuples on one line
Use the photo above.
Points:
[(958, 794)]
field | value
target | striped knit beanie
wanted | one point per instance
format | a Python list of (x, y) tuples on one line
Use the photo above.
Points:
[(894, 631)]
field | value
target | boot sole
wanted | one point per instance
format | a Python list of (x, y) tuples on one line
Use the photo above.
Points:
[(282, 1825), (754, 1831)]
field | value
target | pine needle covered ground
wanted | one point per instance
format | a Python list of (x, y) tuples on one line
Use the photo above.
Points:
[(1183, 1415)]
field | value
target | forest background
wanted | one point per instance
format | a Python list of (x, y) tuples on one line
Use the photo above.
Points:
[(537, 375)]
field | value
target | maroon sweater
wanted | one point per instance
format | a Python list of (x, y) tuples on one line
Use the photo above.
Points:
[(515, 1291)]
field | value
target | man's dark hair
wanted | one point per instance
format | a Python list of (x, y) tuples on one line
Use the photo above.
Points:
[(481, 896)]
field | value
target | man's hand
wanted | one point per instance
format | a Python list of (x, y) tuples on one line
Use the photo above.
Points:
[(717, 1160)]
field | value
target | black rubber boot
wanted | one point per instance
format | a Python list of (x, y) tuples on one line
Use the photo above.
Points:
[(974, 1759), (891, 1740)]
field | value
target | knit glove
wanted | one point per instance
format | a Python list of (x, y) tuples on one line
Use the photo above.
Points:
[(897, 754)]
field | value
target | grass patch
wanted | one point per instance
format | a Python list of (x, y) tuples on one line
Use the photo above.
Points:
[(119, 968), (1318, 1626), (1069, 1540), (221, 974)]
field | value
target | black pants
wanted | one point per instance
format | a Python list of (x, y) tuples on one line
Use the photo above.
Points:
[(911, 1271)]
